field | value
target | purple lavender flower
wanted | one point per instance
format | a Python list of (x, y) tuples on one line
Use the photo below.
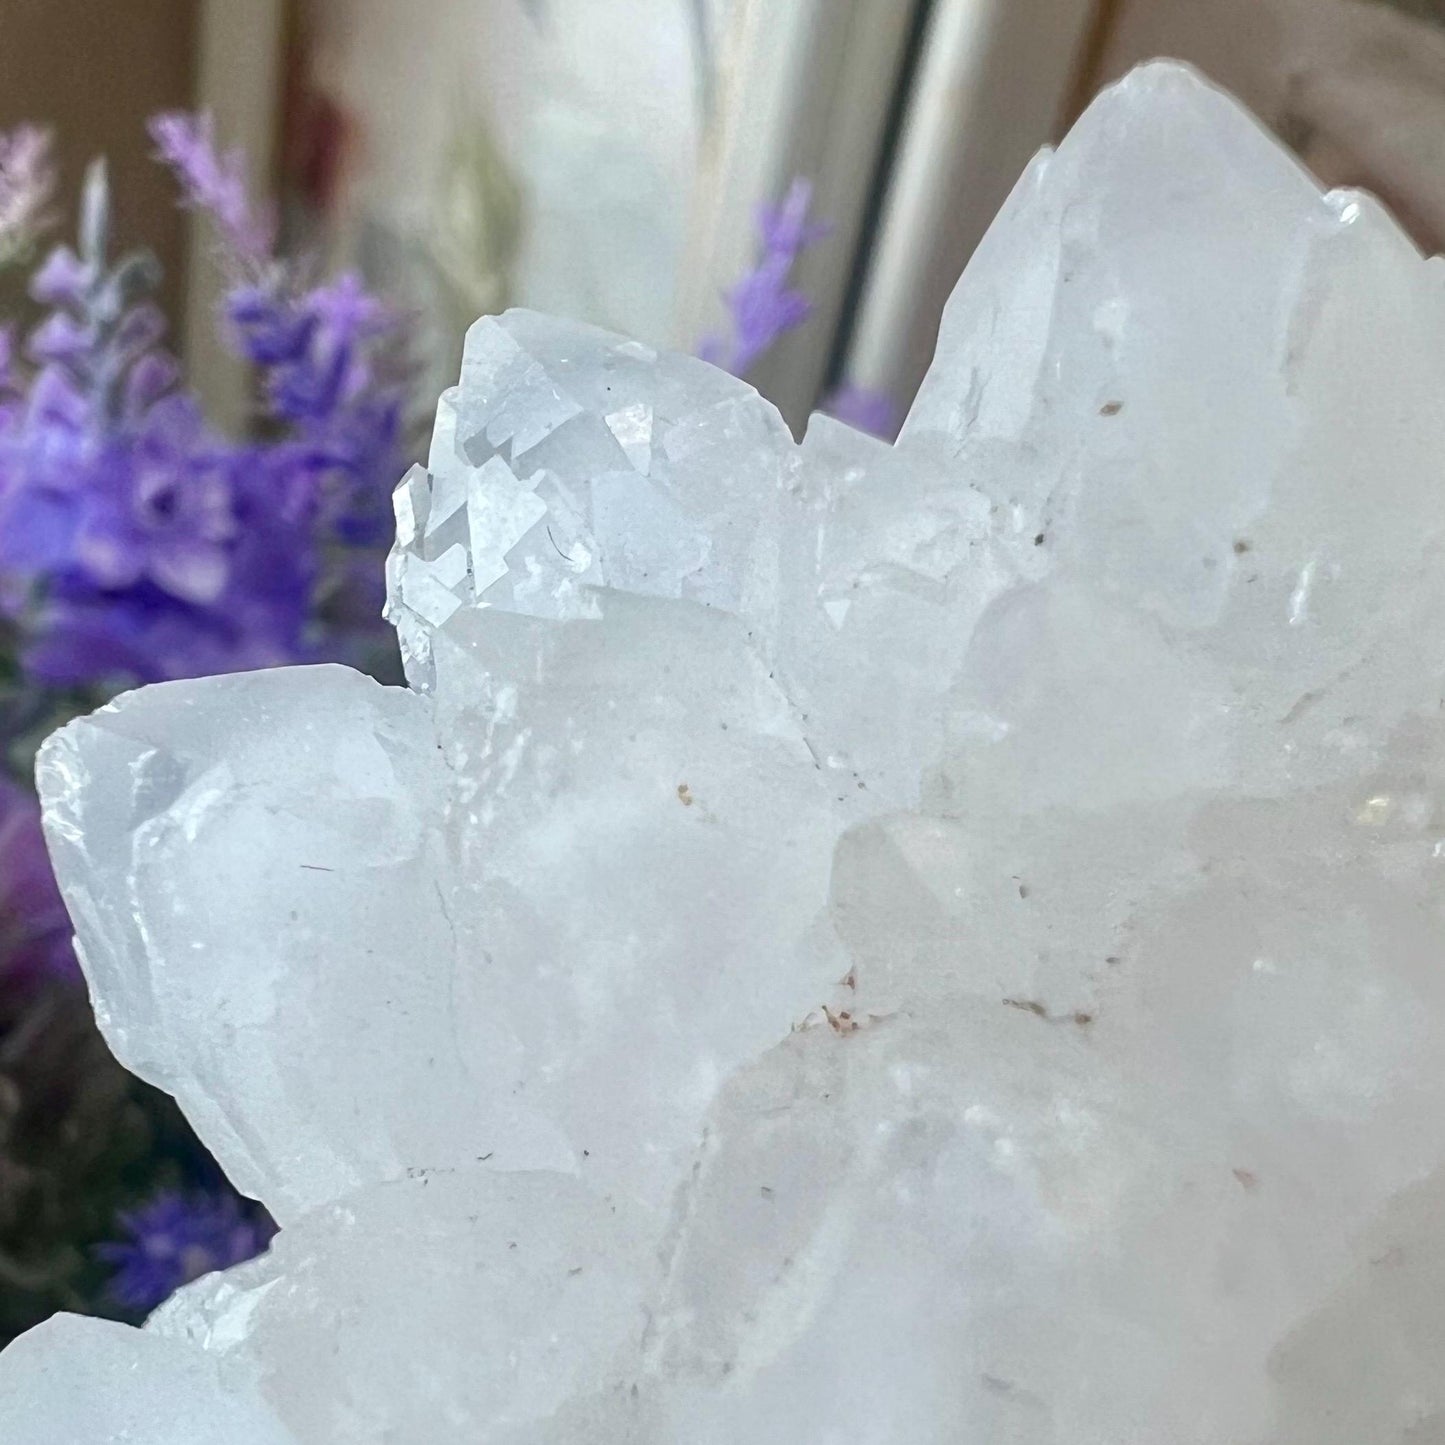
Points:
[(762, 306), (785, 229), (864, 408), (214, 182), (158, 510), (321, 350), (175, 1238), (318, 351), (27, 180), (137, 545), (34, 927), (117, 507)]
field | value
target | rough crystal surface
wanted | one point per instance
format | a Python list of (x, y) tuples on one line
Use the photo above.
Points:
[(838, 943)]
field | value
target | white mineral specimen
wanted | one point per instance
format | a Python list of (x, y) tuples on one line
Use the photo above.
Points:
[(844, 943)]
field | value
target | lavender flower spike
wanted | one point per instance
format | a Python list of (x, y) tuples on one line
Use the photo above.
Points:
[(785, 229), (214, 182), (176, 1238), (762, 306), (865, 408), (27, 180)]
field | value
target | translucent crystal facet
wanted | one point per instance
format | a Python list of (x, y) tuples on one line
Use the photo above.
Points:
[(838, 942)]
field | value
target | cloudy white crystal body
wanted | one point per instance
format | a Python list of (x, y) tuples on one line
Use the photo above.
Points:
[(842, 943)]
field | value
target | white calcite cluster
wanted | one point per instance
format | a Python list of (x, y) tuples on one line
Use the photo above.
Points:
[(847, 944)]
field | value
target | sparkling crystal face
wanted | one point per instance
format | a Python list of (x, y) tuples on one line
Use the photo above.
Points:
[(570, 461), (838, 942)]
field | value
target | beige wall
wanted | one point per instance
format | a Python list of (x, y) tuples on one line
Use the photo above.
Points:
[(1241, 43)]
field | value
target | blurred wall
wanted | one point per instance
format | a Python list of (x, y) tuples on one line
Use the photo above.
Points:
[(992, 80), (237, 64), (93, 71), (591, 105)]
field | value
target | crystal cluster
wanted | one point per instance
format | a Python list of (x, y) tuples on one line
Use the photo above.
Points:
[(839, 943)]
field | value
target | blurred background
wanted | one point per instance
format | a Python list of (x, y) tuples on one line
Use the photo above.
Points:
[(426, 161), (603, 158)]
